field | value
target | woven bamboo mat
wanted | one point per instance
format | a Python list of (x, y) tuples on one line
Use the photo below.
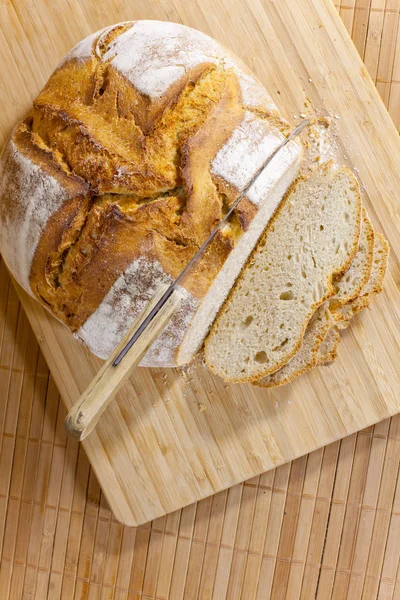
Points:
[(326, 525)]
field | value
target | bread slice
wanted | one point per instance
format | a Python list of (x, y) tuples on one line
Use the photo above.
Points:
[(349, 285), (374, 284), (328, 351), (327, 315), (312, 237), (307, 356)]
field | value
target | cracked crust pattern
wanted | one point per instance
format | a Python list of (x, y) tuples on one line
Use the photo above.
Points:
[(114, 163)]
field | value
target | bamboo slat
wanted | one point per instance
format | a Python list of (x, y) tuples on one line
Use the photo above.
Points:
[(326, 525)]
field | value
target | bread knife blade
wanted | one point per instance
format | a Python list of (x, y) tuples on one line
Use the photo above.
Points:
[(85, 413)]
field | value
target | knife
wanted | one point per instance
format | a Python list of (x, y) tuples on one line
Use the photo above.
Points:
[(84, 414)]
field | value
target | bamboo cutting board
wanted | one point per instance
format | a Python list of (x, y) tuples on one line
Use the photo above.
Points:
[(172, 437)]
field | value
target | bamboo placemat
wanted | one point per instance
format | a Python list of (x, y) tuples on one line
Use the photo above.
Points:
[(324, 526)]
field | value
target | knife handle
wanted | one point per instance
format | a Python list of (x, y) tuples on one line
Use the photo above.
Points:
[(85, 413)]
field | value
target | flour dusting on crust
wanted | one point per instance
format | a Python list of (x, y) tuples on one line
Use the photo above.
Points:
[(105, 328), (154, 55), (85, 48), (253, 93), (36, 197), (252, 142), (82, 51)]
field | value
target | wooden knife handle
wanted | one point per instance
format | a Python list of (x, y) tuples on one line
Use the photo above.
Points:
[(83, 416)]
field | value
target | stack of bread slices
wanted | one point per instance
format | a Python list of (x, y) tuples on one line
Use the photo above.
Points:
[(318, 263)]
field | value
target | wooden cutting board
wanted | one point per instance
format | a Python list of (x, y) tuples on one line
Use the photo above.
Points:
[(174, 437)]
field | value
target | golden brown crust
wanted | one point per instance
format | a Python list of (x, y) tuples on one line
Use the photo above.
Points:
[(48, 161), (137, 171), (60, 226), (112, 238), (246, 210), (121, 227), (198, 152)]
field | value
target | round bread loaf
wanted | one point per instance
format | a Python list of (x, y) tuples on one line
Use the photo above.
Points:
[(132, 153)]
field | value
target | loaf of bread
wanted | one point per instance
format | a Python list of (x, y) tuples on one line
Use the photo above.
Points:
[(131, 154)]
